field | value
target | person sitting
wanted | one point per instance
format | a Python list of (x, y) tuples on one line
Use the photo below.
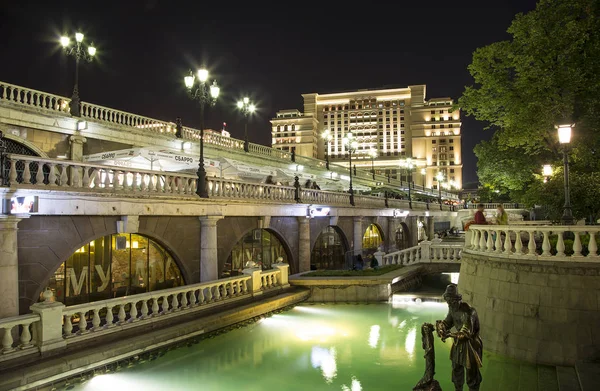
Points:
[(308, 184), (360, 263), (479, 216), (269, 180), (374, 263), (501, 216), (315, 186)]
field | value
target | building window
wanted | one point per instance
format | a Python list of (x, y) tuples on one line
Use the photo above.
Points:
[(372, 238), (329, 250), (258, 245), (433, 141), (452, 171), (451, 141), (452, 148), (432, 111), (114, 266)]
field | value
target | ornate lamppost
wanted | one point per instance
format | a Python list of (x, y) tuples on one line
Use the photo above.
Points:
[(247, 108), (350, 141), (200, 91), (546, 172), (326, 135), (440, 179), (564, 138), (373, 155), (424, 176), (80, 53), (408, 164)]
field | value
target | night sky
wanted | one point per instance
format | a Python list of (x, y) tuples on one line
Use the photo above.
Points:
[(272, 53)]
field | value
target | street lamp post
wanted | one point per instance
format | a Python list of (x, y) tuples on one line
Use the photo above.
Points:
[(201, 92), (424, 175), (80, 53), (440, 178), (350, 141), (564, 138), (408, 165), (246, 108), (373, 155), (546, 172), (326, 135)]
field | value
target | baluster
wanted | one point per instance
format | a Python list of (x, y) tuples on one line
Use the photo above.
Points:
[(68, 326), (411, 256), (143, 182), (12, 175), (122, 315), (209, 295), (86, 177), (489, 242), (184, 300), (96, 319), (52, 175), (25, 336), (144, 311), (151, 182), (64, 177), (82, 323), (192, 300), (507, 243), (165, 305), (175, 302), (27, 173), (217, 293), (116, 180), (482, 241), (133, 312), (7, 340), (518, 243), (110, 317), (39, 176), (531, 246), (546, 245), (200, 296), (498, 241), (107, 181), (75, 176), (155, 306), (592, 246), (560, 245), (577, 245)]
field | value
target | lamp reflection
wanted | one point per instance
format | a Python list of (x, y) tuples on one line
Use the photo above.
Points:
[(324, 359), (374, 336), (411, 339), (354, 386)]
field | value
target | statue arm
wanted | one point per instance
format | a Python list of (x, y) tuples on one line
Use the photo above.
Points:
[(466, 331)]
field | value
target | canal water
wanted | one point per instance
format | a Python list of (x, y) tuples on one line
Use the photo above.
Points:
[(310, 347)]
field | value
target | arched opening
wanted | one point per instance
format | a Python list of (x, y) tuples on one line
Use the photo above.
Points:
[(17, 148), (261, 246), (422, 230), (402, 238), (373, 238), (329, 250), (113, 266)]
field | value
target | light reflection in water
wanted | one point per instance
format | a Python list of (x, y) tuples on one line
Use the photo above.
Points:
[(374, 336), (411, 339), (354, 386), (324, 359)]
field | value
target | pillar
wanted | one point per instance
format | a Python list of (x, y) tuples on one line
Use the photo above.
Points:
[(9, 267), (430, 226), (209, 263), (413, 229), (358, 235), (390, 243), (77, 142), (303, 244)]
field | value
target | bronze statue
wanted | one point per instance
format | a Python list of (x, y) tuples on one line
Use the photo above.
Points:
[(467, 348), (427, 382)]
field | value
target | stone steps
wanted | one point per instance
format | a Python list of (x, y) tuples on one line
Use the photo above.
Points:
[(589, 376)]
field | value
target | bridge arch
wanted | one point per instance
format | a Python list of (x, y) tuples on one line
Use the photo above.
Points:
[(263, 245), (329, 249)]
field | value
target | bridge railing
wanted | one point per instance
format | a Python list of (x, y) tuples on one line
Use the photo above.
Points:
[(426, 252), (54, 103), (55, 326), (548, 242), (495, 205)]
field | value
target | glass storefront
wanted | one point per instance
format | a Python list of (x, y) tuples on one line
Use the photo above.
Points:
[(329, 250), (372, 238), (114, 266), (258, 245)]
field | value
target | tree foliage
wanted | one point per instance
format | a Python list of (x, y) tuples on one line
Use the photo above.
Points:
[(547, 74)]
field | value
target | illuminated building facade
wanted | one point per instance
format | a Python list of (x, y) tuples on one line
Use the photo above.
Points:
[(395, 125)]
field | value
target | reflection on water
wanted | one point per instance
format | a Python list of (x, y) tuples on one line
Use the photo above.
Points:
[(312, 347)]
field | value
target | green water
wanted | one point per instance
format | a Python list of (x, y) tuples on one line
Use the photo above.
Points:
[(313, 347)]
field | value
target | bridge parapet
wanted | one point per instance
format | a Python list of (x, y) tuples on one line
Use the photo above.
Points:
[(426, 252)]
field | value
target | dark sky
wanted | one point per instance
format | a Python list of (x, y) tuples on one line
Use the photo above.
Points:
[(271, 52)]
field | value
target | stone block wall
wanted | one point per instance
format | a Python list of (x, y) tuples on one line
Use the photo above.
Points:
[(542, 312)]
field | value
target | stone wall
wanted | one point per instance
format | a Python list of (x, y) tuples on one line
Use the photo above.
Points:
[(544, 312)]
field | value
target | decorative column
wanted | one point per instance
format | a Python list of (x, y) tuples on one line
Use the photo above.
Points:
[(430, 224), (209, 263), (77, 142), (358, 235), (303, 244), (390, 243), (413, 229), (9, 266)]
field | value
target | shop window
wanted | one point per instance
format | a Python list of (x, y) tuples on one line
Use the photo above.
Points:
[(329, 250), (260, 246), (372, 238), (113, 266)]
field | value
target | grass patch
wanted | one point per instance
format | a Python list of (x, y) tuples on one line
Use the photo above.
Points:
[(353, 273)]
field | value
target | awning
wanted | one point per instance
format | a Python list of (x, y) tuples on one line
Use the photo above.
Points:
[(292, 174), (241, 169), (150, 159)]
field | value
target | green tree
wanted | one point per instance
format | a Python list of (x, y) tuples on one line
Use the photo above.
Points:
[(547, 74)]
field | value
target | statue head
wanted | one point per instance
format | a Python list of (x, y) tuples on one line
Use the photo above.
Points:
[(452, 297)]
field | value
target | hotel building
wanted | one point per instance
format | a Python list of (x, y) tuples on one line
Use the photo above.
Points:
[(395, 125)]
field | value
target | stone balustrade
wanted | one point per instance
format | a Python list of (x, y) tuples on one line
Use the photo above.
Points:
[(425, 252), (122, 118), (55, 326), (535, 242), (33, 98), (20, 326), (495, 205)]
